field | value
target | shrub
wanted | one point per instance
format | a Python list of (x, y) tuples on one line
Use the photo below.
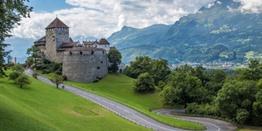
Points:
[(14, 75), (22, 80), (203, 109), (144, 83), (18, 68), (242, 116)]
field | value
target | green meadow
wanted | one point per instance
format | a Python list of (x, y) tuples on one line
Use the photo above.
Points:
[(119, 88), (40, 107)]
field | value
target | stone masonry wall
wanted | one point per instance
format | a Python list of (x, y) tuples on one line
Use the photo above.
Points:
[(85, 67), (54, 39)]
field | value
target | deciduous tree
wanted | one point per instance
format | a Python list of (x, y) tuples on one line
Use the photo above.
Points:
[(22, 80), (11, 12), (57, 79), (184, 89), (144, 83), (114, 57)]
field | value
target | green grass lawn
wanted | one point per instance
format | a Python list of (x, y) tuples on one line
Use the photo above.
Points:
[(120, 88), (41, 107)]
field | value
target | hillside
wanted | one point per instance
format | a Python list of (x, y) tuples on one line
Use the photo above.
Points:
[(119, 87), (44, 108), (217, 33)]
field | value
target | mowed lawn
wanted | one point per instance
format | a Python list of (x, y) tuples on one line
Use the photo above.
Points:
[(120, 88), (41, 107)]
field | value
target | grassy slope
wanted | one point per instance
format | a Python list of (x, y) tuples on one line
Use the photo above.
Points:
[(42, 107), (119, 88)]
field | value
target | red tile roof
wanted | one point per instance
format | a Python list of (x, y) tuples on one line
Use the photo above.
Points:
[(57, 23)]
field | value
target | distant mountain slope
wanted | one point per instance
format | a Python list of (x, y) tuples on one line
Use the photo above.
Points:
[(217, 33)]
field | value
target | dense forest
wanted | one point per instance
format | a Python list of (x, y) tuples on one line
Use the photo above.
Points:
[(234, 95)]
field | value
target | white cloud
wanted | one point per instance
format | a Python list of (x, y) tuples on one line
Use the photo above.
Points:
[(253, 6), (100, 18)]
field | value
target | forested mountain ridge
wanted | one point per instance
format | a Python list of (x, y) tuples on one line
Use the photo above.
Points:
[(217, 33)]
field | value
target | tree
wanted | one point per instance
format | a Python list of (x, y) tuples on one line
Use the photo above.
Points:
[(14, 75), (57, 79), (215, 81), (3, 54), (200, 72), (242, 116), (34, 56), (142, 64), (11, 12), (17, 70), (22, 80), (253, 72), (235, 98), (114, 57), (144, 83), (157, 68), (160, 71), (257, 108), (184, 89)]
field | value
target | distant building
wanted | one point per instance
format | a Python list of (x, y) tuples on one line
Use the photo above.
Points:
[(81, 62)]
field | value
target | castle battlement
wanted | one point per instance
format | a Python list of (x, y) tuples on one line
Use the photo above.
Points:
[(85, 52), (84, 62)]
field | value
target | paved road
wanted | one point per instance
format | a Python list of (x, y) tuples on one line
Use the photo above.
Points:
[(211, 124), (119, 109)]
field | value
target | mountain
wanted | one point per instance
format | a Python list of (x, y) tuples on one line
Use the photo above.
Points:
[(218, 33)]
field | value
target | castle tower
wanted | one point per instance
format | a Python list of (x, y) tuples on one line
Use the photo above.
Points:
[(56, 33)]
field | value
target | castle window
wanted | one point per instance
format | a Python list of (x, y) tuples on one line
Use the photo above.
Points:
[(92, 52), (98, 67), (101, 62), (81, 53), (70, 53)]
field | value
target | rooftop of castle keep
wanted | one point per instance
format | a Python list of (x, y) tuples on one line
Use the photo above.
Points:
[(71, 44), (57, 23)]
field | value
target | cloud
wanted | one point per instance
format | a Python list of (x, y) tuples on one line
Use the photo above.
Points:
[(251, 6), (100, 18)]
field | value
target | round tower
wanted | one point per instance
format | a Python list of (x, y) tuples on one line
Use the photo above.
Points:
[(85, 64)]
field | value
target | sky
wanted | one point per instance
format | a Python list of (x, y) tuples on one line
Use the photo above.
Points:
[(100, 18)]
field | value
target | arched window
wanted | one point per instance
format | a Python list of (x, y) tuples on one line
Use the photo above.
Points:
[(92, 52), (81, 53)]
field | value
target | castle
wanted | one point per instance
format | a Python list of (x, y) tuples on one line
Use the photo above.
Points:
[(82, 62)]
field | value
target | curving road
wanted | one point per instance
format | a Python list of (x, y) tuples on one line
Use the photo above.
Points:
[(119, 109), (137, 117), (209, 123)]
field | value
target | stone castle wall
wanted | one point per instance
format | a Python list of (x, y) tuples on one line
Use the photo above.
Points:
[(54, 39), (85, 66)]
